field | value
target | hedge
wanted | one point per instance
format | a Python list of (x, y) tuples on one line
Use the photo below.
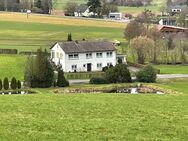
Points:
[(8, 51)]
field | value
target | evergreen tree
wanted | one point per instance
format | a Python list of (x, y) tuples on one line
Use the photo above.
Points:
[(38, 4), (39, 71), (1, 84), (6, 83), (13, 84), (94, 6), (61, 81), (19, 85), (69, 38)]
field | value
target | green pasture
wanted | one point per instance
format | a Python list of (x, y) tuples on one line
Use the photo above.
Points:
[(12, 66), (172, 69), (47, 116), (31, 36)]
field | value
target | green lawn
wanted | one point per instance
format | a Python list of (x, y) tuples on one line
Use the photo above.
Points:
[(31, 36), (12, 66), (172, 69), (93, 117)]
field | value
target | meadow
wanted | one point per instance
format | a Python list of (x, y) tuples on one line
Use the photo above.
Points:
[(76, 117), (39, 31), (154, 7), (172, 69)]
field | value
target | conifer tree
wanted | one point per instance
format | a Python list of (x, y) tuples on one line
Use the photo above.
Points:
[(6, 83), (1, 84), (61, 81), (13, 84)]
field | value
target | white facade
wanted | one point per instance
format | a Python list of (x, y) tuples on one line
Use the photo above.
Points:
[(115, 16), (84, 14), (82, 62)]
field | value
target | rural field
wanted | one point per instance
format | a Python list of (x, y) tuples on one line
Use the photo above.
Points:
[(18, 32), (48, 116), (155, 7), (39, 31)]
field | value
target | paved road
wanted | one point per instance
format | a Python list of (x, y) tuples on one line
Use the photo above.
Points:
[(159, 76)]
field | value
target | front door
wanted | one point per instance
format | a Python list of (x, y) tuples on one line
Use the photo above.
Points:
[(89, 67)]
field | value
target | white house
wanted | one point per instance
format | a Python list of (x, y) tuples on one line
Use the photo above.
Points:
[(115, 15), (84, 56), (83, 11)]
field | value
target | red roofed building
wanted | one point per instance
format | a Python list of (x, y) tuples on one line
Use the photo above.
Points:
[(171, 29)]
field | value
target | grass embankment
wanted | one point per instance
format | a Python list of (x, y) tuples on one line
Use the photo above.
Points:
[(50, 116)]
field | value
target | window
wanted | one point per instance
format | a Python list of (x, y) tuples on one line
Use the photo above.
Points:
[(53, 54), (57, 54), (88, 55), (99, 55), (73, 56), (99, 65), (84, 65), (61, 55), (109, 54), (109, 64), (74, 67)]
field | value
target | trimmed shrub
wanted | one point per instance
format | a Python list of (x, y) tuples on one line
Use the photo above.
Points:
[(1, 84), (98, 80), (118, 74), (19, 85), (6, 83), (147, 74), (61, 81), (13, 84)]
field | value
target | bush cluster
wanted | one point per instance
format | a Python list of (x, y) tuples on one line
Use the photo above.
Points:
[(98, 80), (118, 74), (14, 84), (147, 74)]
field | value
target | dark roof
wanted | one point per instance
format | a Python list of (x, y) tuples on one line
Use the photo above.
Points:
[(86, 46), (82, 8)]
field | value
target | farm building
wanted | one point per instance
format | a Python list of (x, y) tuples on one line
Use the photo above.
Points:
[(168, 21), (171, 29), (115, 16), (83, 56)]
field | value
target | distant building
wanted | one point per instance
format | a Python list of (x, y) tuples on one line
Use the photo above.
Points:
[(83, 11), (171, 29), (115, 15), (83, 56), (168, 21), (178, 8)]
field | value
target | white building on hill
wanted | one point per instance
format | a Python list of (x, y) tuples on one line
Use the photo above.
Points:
[(84, 56)]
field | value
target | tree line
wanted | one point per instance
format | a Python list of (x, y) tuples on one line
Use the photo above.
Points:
[(36, 6), (148, 45)]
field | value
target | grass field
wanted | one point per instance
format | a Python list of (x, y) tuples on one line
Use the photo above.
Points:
[(12, 66), (40, 31), (60, 5), (172, 69), (95, 117)]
